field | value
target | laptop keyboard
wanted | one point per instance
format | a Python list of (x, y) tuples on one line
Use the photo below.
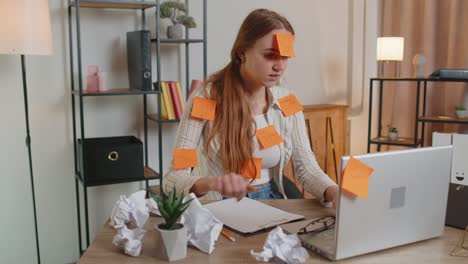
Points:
[(323, 241)]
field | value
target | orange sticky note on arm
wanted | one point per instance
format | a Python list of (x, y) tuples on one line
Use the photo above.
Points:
[(284, 43), (268, 137), (252, 168), (185, 158), (290, 105), (355, 178), (203, 108)]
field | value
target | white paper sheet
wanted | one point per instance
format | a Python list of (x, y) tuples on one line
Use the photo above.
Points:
[(248, 216)]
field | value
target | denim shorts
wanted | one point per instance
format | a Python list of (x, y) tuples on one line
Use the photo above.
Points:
[(266, 191)]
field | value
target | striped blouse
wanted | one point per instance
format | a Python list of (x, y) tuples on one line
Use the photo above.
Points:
[(296, 147)]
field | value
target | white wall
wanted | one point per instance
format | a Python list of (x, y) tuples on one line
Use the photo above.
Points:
[(320, 74)]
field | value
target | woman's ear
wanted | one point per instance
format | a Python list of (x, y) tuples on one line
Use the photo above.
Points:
[(241, 57)]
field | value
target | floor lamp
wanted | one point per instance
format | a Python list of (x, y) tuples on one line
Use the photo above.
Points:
[(25, 30)]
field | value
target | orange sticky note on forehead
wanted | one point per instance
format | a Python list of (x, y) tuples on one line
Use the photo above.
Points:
[(284, 43), (268, 137), (185, 158), (355, 177), (252, 168), (290, 105), (203, 108)]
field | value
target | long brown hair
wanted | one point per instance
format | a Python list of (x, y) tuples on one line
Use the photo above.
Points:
[(233, 121)]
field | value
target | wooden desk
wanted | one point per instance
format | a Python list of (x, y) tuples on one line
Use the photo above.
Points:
[(436, 250)]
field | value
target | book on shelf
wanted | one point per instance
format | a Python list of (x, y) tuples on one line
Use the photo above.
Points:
[(181, 98), (163, 104), (166, 94), (175, 99), (172, 102)]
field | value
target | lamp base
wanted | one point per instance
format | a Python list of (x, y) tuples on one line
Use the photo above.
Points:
[(386, 72)]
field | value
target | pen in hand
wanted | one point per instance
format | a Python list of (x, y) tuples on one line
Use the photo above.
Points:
[(227, 235)]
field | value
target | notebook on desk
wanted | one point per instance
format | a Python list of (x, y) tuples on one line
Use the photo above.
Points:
[(406, 203), (249, 216)]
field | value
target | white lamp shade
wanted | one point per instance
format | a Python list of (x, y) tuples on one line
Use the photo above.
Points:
[(25, 27), (390, 48)]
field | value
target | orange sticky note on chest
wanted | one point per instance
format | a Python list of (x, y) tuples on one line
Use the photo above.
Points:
[(268, 137), (355, 178), (203, 108), (252, 168), (185, 158), (284, 43), (290, 105)]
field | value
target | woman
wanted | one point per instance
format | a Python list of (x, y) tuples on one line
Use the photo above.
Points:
[(246, 99)]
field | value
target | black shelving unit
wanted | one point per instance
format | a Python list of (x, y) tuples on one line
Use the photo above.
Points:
[(420, 113), (79, 94)]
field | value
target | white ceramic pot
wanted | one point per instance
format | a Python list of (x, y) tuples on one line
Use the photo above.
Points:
[(176, 31), (461, 113), (164, 24), (393, 135), (171, 245)]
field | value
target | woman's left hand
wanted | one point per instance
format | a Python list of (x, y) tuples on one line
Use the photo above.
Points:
[(331, 194)]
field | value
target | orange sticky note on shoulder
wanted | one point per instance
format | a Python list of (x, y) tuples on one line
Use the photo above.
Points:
[(355, 177), (268, 137), (284, 43), (290, 105), (203, 108), (185, 158), (252, 168)]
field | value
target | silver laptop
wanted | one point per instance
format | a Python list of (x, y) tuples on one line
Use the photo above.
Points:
[(407, 203)]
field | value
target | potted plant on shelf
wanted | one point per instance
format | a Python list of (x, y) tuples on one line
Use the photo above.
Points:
[(171, 236), (392, 133), (172, 19), (460, 111)]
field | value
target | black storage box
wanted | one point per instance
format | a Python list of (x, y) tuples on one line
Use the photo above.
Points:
[(111, 159)]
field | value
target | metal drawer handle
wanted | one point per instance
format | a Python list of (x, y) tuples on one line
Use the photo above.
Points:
[(113, 156)]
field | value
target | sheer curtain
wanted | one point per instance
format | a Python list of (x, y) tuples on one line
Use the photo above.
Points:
[(436, 29)]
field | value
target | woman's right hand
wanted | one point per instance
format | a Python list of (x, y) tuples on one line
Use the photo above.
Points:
[(231, 184)]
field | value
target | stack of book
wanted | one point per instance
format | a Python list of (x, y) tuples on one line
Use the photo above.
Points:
[(172, 102)]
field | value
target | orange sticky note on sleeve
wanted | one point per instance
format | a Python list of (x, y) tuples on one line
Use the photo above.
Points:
[(252, 168), (203, 108), (268, 137), (185, 158), (355, 177), (284, 43), (290, 105)]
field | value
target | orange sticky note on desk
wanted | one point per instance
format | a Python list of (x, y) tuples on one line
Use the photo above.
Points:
[(252, 168), (268, 137), (203, 108), (290, 105), (284, 43), (185, 158), (355, 177)]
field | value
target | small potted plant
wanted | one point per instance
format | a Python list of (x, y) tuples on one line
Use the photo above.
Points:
[(392, 133), (172, 21), (460, 111), (171, 236)]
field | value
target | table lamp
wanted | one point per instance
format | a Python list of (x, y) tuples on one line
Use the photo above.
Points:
[(390, 49), (25, 30)]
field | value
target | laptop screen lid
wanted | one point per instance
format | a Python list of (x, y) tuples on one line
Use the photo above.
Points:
[(406, 203)]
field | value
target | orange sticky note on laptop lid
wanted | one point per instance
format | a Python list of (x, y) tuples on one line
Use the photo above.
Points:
[(284, 43), (268, 137), (355, 177), (203, 108), (252, 168), (185, 158), (290, 105)]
